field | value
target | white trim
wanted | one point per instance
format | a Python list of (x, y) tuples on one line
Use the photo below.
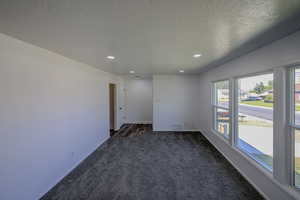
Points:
[(118, 104), (215, 106), (176, 131), (220, 135), (263, 165), (269, 71), (140, 122), (231, 111), (235, 112), (280, 164), (289, 129), (222, 80), (291, 123)]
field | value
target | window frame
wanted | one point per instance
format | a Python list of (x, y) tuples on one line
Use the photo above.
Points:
[(291, 124), (214, 107), (283, 140), (235, 105)]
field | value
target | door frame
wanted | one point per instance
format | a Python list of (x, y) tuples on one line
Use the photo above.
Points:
[(115, 102)]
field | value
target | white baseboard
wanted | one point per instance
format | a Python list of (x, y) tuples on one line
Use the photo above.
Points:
[(140, 122), (177, 131)]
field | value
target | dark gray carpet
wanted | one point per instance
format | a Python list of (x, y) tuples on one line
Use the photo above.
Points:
[(155, 166)]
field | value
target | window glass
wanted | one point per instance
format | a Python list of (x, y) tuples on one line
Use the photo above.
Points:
[(222, 93), (295, 122), (297, 97), (297, 158), (255, 118), (222, 121), (221, 108)]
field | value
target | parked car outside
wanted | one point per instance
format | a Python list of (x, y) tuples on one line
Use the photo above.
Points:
[(253, 98)]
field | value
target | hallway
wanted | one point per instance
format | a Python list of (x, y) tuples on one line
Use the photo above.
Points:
[(154, 166)]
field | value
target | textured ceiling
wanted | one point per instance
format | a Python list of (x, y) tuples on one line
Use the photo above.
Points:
[(149, 36)]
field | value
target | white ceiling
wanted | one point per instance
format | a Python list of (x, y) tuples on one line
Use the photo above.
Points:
[(147, 36)]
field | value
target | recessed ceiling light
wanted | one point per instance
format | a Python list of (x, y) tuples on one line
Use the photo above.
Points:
[(110, 57), (181, 71), (197, 55), (131, 72)]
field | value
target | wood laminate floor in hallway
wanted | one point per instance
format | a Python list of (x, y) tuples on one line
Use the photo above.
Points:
[(154, 166)]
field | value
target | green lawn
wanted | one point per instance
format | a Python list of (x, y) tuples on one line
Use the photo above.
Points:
[(263, 104), (297, 171), (297, 165), (265, 158), (259, 123)]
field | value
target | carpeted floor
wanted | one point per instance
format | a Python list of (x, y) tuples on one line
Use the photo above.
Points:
[(155, 166)]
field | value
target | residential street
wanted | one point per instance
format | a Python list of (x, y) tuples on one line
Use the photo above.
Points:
[(260, 112), (256, 111)]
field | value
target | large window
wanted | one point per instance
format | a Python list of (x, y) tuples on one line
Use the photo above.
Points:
[(295, 121), (255, 118), (221, 108), (246, 116)]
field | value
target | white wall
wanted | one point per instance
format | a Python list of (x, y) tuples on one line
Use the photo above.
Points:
[(279, 53), (138, 100), (176, 102), (54, 112)]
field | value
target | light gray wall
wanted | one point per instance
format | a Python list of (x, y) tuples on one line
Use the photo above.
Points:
[(277, 54), (138, 99), (176, 102), (54, 112)]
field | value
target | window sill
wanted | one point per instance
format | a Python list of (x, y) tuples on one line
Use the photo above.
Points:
[(247, 152), (222, 136)]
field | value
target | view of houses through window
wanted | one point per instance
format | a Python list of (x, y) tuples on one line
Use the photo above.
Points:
[(296, 122), (255, 118), (221, 107)]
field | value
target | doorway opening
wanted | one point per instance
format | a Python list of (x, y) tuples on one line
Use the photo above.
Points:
[(112, 108)]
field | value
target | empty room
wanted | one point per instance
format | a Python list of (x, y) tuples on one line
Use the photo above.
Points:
[(149, 99)]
